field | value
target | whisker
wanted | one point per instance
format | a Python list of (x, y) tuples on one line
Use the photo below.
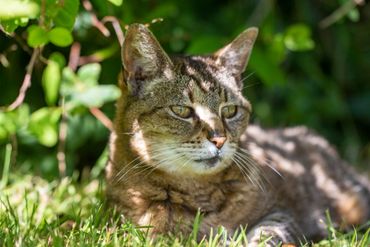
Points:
[(247, 77), (137, 165), (252, 169), (125, 133), (265, 163), (245, 175), (164, 161), (122, 173)]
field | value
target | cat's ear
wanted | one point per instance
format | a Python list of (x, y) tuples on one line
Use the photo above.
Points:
[(234, 56), (143, 58)]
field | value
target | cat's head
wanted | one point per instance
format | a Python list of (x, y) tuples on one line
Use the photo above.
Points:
[(186, 114)]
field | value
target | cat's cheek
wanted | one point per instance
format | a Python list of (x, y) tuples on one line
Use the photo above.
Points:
[(236, 129)]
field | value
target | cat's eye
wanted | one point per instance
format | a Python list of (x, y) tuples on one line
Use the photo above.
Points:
[(182, 111), (229, 111)]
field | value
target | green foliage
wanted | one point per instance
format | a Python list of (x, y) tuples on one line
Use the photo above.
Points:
[(51, 77), (13, 121), (14, 13), (298, 38), (60, 36), (44, 125), (65, 16), (116, 2), (82, 89), (37, 36)]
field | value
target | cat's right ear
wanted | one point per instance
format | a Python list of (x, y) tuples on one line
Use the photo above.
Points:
[(143, 58), (234, 56)]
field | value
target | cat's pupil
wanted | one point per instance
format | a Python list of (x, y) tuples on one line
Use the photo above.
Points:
[(182, 111), (229, 111)]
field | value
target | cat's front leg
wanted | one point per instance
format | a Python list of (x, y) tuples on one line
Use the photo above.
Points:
[(276, 228)]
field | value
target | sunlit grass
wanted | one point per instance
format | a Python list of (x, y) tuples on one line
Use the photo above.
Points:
[(36, 212)]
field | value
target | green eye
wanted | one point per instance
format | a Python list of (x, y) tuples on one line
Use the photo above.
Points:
[(182, 111), (229, 111)]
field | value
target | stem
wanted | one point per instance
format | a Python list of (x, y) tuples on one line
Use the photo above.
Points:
[(61, 154), (96, 112), (26, 82), (340, 12), (8, 154)]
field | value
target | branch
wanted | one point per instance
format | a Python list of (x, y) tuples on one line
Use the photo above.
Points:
[(340, 12), (95, 21), (96, 112), (116, 26), (26, 82), (74, 56), (61, 154)]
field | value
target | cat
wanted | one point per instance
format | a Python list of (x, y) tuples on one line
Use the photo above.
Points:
[(181, 144)]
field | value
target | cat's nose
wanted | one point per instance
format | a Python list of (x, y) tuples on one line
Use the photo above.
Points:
[(219, 141), (216, 137)]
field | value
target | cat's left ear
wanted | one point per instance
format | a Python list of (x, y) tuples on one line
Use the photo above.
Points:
[(234, 56)]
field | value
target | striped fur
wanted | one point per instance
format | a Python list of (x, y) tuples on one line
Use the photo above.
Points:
[(164, 167)]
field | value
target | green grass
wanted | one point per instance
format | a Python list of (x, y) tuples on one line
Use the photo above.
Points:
[(36, 212)]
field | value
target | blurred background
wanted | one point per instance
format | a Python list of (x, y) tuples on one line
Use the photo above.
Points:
[(310, 66)]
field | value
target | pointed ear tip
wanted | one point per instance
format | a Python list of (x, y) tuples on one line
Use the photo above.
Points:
[(136, 27), (252, 31)]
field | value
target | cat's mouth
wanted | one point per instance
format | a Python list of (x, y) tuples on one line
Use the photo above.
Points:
[(211, 162)]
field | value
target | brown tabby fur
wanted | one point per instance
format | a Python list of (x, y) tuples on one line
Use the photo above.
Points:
[(164, 168)]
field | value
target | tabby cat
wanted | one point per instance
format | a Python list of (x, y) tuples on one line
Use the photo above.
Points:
[(181, 144)]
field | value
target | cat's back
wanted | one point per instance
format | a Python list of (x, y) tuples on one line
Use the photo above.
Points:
[(313, 177)]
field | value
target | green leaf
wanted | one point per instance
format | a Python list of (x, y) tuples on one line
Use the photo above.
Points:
[(12, 121), (96, 96), (14, 9), (89, 73), (298, 38), (58, 58), (83, 89), (354, 15), (266, 68), (60, 36), (9, 26), (116, 2), (37, 36), (51, 77), (44, 125), (66, 16)]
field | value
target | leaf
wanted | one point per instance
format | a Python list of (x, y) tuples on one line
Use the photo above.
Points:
[(12, 121), (89, 73), (14, 9), (37, 36), (51, 78), (265, 68), (9, 26), (60, 36), (66, 16), (44, 125), (83, 89), (298, 38), (354, 15), (96, 96), (116, 2)]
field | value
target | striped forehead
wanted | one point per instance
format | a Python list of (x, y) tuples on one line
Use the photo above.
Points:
[(203, 83)]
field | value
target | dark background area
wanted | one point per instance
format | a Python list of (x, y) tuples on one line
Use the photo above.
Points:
[(300, 72)]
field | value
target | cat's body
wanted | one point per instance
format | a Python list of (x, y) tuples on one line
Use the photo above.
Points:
[(181, 144)]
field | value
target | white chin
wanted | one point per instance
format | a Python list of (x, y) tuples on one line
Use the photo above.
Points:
[(196, 168)]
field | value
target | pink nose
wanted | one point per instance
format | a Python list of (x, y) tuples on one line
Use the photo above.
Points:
[(219, 141)]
